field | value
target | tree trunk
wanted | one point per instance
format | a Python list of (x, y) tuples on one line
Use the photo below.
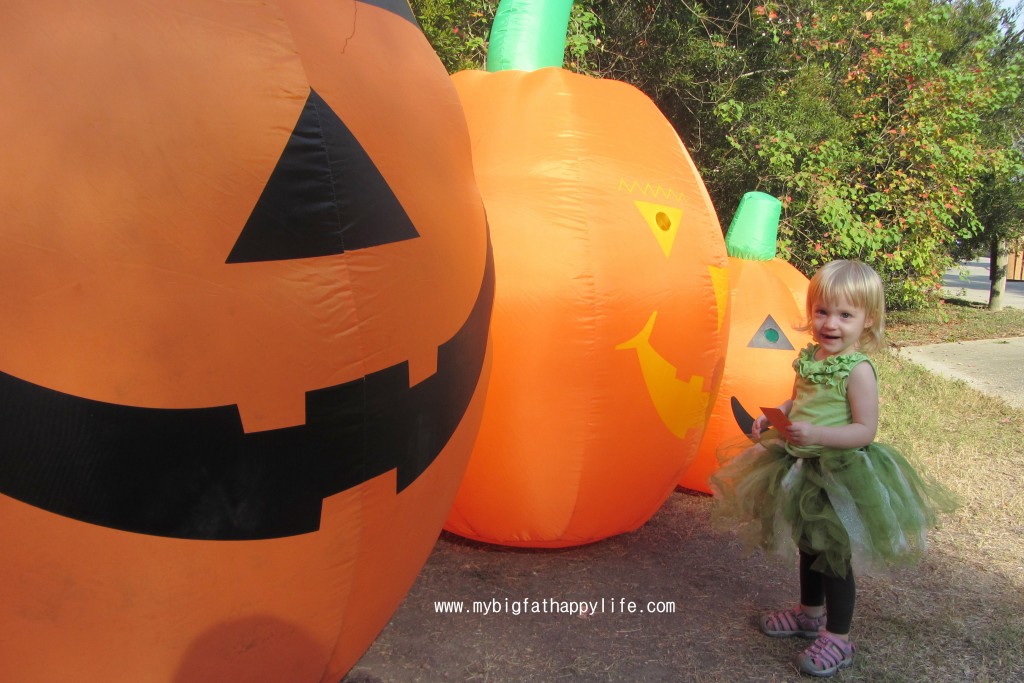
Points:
[(999, 260)]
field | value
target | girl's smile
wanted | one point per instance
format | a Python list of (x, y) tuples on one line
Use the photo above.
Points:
[(838, 326)]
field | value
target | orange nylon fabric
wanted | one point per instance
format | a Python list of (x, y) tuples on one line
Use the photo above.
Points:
[(758, 369), (138, 138), (137, 155), (609, 327)]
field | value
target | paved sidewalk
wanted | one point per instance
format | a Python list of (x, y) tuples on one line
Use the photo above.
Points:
[(993, 366), (976, 287)]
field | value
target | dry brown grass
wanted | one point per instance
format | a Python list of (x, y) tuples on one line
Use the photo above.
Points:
[(953, 321), (957, 616), (966, 600)]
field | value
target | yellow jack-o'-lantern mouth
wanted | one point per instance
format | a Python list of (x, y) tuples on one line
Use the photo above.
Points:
[(195, 473), (681, 404)]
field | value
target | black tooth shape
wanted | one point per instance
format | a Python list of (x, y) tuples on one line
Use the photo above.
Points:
[(743, 419)]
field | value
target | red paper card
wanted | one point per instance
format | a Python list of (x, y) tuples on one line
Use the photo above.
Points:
[(776, 417)]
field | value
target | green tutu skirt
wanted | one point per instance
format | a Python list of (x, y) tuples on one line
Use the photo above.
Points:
[(867, 507)]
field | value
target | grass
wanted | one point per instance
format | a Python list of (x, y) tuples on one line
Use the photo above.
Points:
[(952, 321), (960, 614), (956, 616)]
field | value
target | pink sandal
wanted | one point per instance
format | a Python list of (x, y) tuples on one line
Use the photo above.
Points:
[(791, 622), (826, 655)]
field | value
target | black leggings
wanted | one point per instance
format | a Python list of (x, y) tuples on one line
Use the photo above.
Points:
[(837, 594)]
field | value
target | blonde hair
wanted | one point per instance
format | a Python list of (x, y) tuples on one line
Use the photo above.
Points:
[(859, 284)]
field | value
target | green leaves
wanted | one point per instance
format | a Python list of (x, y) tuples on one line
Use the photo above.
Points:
[(877, 136), (892, 128), (457, 30)]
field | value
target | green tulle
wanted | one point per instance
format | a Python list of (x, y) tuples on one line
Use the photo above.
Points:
[(869, 506)]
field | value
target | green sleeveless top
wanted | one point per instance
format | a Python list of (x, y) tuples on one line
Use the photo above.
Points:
[(820, 392)]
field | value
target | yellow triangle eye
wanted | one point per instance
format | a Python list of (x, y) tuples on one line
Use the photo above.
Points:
[(663, 222)]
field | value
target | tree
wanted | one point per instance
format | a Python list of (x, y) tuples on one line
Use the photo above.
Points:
[(878, 123), (885, 126), (999, 201), (459, 29), (874, 138)]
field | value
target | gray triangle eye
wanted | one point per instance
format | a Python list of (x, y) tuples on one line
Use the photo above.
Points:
[(770, 336)]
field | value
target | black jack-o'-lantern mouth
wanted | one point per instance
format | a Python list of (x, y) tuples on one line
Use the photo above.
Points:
[(194, 473), (744, 420)]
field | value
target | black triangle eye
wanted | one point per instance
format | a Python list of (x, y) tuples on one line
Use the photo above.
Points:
[(324, 197), (770, 336)]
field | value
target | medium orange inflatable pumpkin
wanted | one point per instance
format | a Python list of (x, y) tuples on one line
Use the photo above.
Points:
[(245, 334), (767, 303), (609, 320)]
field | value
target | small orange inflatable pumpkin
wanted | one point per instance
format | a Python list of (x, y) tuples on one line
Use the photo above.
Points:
[(245, 334), (609, 320), (767, 301)]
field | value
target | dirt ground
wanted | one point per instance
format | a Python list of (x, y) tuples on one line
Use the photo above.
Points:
[(716, 591)]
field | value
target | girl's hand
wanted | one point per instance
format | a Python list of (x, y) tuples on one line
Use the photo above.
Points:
[(802, 434), (760, 424)]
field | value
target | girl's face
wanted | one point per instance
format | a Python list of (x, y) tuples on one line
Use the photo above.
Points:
[(838, 326)]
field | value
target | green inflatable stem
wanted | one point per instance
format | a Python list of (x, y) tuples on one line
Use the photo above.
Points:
[(754, 230), (528, 35)]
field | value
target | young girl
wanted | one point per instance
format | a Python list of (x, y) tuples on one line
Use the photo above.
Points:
[(820, 482)]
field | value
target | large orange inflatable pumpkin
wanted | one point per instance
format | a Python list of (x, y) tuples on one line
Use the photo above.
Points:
[(767, 303), (245, 290), (609, 320)]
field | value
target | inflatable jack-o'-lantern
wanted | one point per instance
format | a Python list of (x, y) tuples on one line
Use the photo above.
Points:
[(244, 341), (767, 303), (609, 320)]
